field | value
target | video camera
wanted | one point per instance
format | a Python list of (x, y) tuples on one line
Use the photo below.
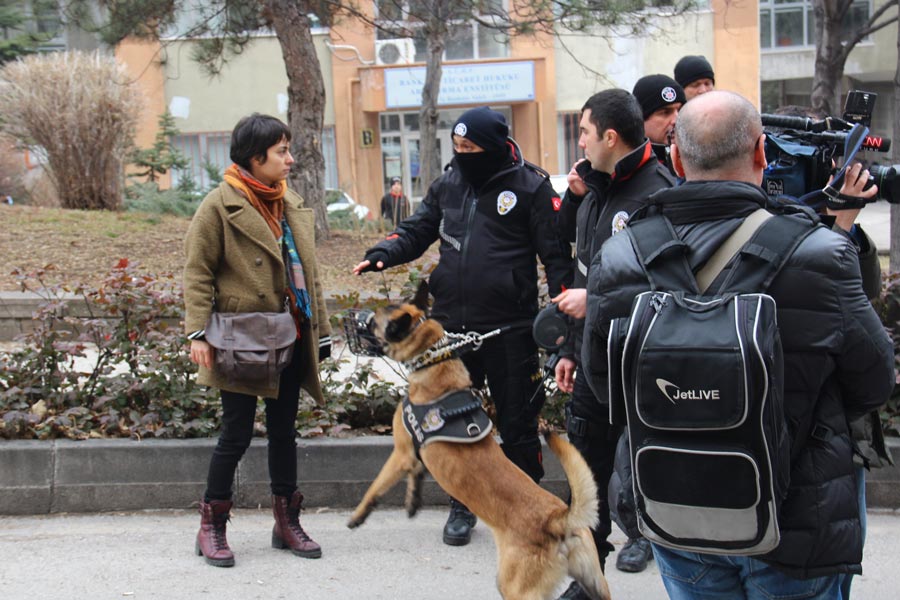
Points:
[(801, 151)]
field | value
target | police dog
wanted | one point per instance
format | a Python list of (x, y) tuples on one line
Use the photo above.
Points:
[(539, 538)]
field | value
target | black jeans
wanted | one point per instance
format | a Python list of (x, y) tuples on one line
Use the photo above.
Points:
[(596, 440), (238, 415), (510, 363)]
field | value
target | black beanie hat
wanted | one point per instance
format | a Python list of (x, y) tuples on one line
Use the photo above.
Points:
[(656, 91), (692, 68), (484, 127)]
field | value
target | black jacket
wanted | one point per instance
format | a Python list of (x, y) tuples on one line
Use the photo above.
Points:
[(590, 220), (838, 361), (489, 242)]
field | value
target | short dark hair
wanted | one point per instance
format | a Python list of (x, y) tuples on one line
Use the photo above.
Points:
[(617, 110), (253, 136)]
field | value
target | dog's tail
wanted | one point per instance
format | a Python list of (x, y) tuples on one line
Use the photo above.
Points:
[(583, 507), (583, 561)]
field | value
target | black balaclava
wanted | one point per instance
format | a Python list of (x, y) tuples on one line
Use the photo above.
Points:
[(488, 129)]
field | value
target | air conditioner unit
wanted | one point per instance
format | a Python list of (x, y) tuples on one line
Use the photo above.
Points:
[(401, 51)]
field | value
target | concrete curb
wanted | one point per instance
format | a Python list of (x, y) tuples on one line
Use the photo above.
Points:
[(58, 476)]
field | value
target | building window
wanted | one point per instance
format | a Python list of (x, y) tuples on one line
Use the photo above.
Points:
[(791, 23), (570, 153), (466, 40)]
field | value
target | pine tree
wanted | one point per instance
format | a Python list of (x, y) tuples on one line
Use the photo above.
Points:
[(161, 157)]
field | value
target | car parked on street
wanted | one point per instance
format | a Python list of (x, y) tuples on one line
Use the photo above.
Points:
[(337, 200)]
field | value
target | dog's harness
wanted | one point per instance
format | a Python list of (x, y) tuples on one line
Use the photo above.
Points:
[(450, 346), (454, 417)]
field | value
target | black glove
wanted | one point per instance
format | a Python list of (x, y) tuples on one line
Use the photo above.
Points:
[(374, 257)]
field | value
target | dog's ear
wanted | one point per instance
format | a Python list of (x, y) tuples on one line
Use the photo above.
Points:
[(420, 300), (397, 329)]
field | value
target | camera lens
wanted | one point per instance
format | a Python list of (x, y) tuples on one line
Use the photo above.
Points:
[(885, 177)]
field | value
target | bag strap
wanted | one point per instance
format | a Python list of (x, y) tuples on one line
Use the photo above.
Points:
[(730, 247), (228, 342), (762, 245), (760, 260)]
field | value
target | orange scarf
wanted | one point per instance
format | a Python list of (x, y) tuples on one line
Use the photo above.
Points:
[(269, 201)]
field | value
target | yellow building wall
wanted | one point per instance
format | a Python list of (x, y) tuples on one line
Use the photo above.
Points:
[(141, 62), (736, 42)]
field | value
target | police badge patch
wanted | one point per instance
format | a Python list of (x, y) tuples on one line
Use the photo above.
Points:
[(668, 94), (618, 221), (460, 129), (506, 201)]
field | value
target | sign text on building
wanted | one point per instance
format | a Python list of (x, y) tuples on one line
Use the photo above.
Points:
[(480, 83)]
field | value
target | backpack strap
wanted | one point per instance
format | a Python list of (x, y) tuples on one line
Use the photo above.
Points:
[(730, 247), (662, 254), (763, 256)]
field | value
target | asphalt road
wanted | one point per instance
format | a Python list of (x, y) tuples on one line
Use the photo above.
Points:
[(150, 555)]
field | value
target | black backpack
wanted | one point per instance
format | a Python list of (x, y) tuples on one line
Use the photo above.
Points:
[(699, 378)]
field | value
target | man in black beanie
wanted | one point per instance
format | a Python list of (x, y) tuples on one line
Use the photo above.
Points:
[(695, 75), (660, 98), (494, 214)]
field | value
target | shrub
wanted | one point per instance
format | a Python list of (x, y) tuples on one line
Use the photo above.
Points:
[(82, 111)]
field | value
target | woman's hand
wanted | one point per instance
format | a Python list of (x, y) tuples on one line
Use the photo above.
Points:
[(202, 353)]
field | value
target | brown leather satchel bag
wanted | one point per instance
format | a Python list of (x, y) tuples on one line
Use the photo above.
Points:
[(252, 348)]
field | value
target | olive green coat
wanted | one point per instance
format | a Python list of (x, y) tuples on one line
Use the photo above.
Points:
[(232, 257)]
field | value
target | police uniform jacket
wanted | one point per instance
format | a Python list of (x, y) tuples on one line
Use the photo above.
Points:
[(489, 242), (234, 264), (838, 361), (590, 220)]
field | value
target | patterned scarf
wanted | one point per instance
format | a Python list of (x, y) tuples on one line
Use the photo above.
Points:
[(300, 305), (269, 201)]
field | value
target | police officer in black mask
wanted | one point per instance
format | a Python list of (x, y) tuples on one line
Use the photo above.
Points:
[(494, 214)]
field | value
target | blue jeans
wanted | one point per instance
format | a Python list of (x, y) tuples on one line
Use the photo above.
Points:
[(694, 576)]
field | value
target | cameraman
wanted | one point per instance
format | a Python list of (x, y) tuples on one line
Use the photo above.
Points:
[(868, 437)]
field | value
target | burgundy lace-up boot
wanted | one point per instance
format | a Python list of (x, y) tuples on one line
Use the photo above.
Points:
[(287, 532), (211, 542)]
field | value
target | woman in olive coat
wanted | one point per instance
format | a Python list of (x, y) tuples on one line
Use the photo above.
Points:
[(251, 248)]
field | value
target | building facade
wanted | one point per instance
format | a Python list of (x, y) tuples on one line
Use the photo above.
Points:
[(373, 82)]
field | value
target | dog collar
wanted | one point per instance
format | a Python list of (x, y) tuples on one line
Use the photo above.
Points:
[(451, 345)]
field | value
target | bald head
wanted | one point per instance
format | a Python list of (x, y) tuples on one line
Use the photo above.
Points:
[(717, 138)]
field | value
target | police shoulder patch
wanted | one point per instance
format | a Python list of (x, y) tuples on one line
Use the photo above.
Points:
[(619, 221), (506, 201)]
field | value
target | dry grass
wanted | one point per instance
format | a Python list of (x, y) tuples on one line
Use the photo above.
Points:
[(84, 245)]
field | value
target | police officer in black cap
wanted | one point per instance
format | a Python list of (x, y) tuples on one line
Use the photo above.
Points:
[(695, 75), (494, 214), (660, 98)]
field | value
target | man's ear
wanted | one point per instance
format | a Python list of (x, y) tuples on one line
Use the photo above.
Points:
[(675, 155), (759, 153), (610, 137)]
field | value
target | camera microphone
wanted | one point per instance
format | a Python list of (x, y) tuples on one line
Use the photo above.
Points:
[(876, 142)]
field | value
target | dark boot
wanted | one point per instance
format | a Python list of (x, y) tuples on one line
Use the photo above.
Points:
[(287, 532), (458, 530), (634, 556), (211, 542), (574, 592)]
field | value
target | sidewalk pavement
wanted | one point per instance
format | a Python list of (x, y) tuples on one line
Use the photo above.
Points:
[(148, 555)]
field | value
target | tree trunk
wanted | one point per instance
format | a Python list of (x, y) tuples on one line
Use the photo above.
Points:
[(429, 153), (831, 56), (895, 208), (306, 103)]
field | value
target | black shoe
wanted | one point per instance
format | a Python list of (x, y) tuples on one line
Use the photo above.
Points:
[(574, 592), (634, 556), (458, 530)]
